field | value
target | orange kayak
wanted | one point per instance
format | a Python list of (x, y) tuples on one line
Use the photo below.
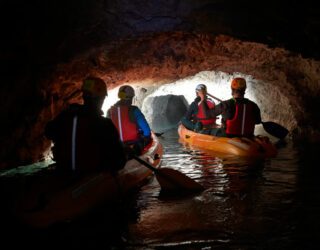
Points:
[(56, 199), (259, 146)]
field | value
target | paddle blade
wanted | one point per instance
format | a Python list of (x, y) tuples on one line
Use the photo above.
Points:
[(275, 129), (158, 134), (173, 180)]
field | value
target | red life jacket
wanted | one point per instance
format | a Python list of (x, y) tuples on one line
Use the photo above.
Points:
[(128, 130), (243, 122), (201, 115)]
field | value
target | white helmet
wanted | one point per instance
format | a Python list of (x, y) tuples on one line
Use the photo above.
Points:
[(201, 87)]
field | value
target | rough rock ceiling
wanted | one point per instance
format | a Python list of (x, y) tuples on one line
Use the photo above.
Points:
[(48, 47)]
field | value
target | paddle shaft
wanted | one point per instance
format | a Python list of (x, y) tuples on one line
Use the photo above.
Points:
[(175, 179), (145, 163), (214, 97)]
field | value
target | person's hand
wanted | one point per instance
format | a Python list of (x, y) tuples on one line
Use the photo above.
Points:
[(146, 140), (129, 151)]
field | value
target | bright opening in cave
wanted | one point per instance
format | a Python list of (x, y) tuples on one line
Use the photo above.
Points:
[(164, 104)]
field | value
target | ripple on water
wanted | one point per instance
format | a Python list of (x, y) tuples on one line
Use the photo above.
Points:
[(245, 202)]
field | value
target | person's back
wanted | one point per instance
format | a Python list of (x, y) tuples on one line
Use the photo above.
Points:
[(84, 140), (239, 114), (131, 124), (244, 114)]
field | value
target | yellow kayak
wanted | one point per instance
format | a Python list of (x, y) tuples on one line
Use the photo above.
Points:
[(259, 146), (57, 199)]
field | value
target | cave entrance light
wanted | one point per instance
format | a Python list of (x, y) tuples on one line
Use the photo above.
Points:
[(164, 104)]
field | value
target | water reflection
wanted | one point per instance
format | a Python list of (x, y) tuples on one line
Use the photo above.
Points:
[(271, 204), (246, 203)]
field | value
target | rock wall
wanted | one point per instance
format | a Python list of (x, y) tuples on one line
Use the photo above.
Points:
[(48, 47)]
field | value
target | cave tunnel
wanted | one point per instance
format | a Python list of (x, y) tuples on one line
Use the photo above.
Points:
[(161, 48), (164, 104), (282, 83)]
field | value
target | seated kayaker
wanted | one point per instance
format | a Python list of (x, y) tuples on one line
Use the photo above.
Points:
[(133, 128), (239, 114), (84, 140), (197, 117)]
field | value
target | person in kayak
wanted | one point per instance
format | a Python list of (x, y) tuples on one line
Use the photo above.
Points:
[(133, 128), (84, 140), (239, 114), (197, 117)]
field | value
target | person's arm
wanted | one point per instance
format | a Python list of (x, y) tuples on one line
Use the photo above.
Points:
[(257, 114), (142, 122), (51, 128), (192, 110), (117, 159), (108, 115), (216, 110), (206, 108)]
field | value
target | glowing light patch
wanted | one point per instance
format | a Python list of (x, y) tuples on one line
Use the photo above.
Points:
[(218, 84)]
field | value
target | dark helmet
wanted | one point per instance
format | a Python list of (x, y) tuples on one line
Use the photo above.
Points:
[(94, 87)]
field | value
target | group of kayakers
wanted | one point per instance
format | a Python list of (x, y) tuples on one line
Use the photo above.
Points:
[(86, 141), (239, 114)]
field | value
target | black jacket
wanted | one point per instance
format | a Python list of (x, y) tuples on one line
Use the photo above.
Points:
[(97, 142)]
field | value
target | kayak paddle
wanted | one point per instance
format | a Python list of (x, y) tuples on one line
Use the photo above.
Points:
[(158, 134), (275, 129), (171, 179), (219, 100)]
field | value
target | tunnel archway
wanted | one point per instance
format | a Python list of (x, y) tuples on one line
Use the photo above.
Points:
[(283, 83), (165, 103)]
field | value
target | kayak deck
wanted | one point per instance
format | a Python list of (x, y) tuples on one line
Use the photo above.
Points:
[(259, 146)]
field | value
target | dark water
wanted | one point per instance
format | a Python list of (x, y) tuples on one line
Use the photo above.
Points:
[(272, 204)]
